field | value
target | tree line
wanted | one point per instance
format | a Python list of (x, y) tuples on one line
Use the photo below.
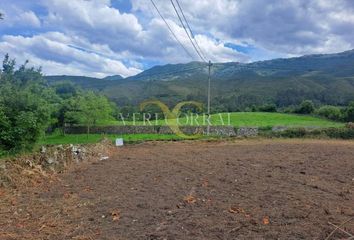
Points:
[(29, 106)]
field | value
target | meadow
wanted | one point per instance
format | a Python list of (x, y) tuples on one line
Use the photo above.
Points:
[(241, 119), (236, 119)]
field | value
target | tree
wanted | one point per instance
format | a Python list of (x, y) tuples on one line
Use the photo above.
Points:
[(24, 110), (88, 109), (349, 112), (25, 117), (29, 106), (268, 108), (306, 107), (65, 90), (8, 68), (330, 112)]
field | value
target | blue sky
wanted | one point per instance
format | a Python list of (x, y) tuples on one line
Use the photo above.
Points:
[(108, 37)]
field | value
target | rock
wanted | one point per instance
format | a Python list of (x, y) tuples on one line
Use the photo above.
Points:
[(247, 132), (279, 129), (3, 166), (50, 160), (103, 158), (29, 163), (349, 125), (43, 149), (221, 131)]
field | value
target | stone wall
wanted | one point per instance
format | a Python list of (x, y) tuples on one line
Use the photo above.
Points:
[(112, 129), (188, 130), (247, 131)]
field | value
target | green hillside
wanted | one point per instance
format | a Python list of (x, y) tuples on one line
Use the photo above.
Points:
[(325, 79)]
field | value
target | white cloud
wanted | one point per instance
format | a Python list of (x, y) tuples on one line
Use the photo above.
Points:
[(159, 44), (15, 17), (91, 37), (216, 51), (30, 18), (123, 33), (94, 20), (59, 57), (291, 27)]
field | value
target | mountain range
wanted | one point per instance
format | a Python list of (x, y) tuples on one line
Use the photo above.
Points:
[(322, 78)]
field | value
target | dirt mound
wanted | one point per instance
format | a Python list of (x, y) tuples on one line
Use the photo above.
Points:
[(32, 168)]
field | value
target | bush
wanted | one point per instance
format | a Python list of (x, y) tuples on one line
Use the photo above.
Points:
[(289, 109), (293, 133), (341, 133), (265, 128), (268, 108), (28, 107), (25, 108), (349, 113), (24, 117), (330, 112), (306, 107)]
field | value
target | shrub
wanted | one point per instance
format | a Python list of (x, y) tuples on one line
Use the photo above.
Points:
[(339, 133), (289, 109), (265, 128), (293, 133), (306, 107), (342, 133), (349, 112), (268, 108), (330, 112), (24, 116)]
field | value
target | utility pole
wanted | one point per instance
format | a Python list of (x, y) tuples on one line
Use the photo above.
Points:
[(208, 111)]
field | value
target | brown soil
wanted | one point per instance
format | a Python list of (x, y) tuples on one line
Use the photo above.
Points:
[(248, 189)]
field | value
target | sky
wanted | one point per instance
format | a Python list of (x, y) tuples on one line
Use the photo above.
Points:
[(99, 38)]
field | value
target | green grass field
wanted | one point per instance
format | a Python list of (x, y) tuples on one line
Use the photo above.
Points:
[(261, 119), (56, 139), (245, 119), (238, 119)]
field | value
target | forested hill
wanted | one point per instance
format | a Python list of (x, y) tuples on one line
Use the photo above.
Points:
[(324, 78)]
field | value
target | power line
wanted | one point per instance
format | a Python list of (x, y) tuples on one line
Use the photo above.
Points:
[(185, 29), (190, 29), (168, 26), (199, 54)]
